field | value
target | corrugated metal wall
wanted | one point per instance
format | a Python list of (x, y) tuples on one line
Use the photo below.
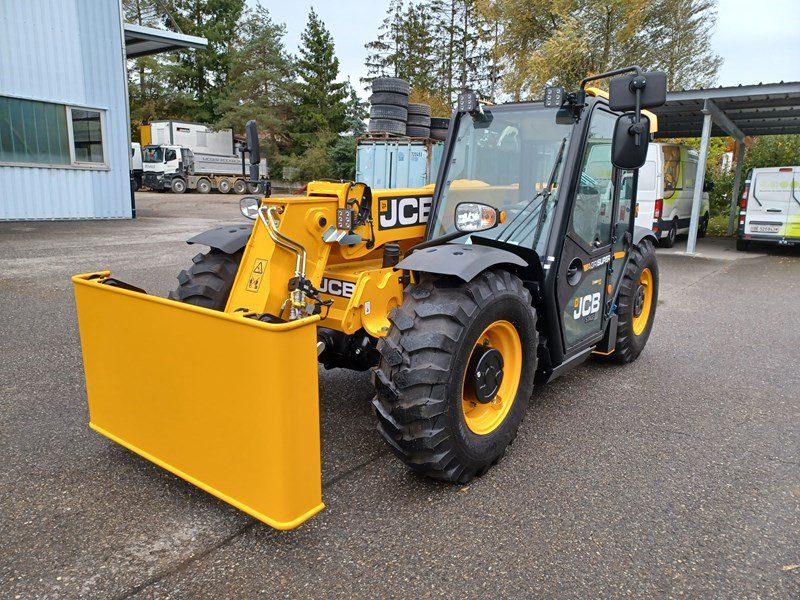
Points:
[(67, 51)]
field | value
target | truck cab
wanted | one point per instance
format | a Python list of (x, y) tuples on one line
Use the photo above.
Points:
[(163, 163)]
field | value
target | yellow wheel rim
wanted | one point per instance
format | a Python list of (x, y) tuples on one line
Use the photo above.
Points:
[(642, 302), (484, 418)]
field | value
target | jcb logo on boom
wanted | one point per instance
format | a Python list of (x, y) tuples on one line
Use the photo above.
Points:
[(586, 306), (404, 212), (337, 287)]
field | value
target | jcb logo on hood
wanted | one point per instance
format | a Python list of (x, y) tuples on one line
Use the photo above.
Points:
[(337, 287), (404, 212)]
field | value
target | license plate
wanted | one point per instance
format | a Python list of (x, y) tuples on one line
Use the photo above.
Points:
[(764, 228)]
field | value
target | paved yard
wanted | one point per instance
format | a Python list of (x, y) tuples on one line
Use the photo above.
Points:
[(675, 476)]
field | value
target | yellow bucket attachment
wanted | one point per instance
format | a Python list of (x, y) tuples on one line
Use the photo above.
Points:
[(227, 402)]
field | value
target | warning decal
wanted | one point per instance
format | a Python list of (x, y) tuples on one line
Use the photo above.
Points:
[(254, 282)]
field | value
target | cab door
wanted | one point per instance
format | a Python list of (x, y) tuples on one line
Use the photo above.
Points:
[(586, 256)]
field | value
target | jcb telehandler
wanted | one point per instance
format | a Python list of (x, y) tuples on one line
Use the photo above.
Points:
[(518, 265)]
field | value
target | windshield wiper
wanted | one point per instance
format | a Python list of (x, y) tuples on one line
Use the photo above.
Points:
[(544, 194)]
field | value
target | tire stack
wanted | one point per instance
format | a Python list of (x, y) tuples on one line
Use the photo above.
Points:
[(439, 126), (419, 121), (388, 105)]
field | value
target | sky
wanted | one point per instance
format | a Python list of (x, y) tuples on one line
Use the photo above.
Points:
[(759, 39)]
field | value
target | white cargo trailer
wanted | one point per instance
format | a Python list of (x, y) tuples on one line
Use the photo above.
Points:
[(199, 138)]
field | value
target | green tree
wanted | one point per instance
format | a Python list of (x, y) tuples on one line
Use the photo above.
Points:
[(356, 112), (558, 42), (261, 79), (320, 98), (204, 75)]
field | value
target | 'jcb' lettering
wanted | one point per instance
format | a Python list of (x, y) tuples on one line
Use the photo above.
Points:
[(337, 287), (587, 305), (404, 212)]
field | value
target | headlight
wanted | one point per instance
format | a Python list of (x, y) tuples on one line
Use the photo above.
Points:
[(249, 206), (471, 217)]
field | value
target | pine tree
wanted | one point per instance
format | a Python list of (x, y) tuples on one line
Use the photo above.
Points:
[(261, 80), (388, 50), (203, 75), (320, 98)]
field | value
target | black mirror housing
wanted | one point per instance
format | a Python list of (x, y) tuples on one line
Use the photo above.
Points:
[(708, 186), (622, 90), (251, 134), (625, 154)]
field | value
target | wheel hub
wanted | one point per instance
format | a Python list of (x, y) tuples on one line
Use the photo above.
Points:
[(638, 301), (486, 369)]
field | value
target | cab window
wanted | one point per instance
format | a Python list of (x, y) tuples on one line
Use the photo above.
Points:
[(592, 212)]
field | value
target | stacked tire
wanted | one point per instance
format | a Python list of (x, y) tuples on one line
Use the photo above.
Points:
[(419, 121), (388, 105), (439, 127)]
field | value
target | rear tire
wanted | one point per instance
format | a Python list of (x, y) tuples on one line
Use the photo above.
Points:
[(204, 186), (426, 404), (669, 241), (742, 245), (224, 186), (635, 302), (702, 230), (208, 282), (239, 187)]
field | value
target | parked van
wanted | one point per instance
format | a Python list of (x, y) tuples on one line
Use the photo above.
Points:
[(769, 210), (666, 190)]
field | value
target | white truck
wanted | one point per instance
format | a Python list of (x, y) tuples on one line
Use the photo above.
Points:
[(182, 156), (136, 165)]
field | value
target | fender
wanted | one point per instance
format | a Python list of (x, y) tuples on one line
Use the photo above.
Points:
[(228, 238), (640, 233), (464, 261)]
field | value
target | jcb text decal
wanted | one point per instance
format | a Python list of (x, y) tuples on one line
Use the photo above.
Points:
[(403, 212), (587, 307), (337, 287)]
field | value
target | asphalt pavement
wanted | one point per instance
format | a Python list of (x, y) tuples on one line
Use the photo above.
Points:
[(675, 476)]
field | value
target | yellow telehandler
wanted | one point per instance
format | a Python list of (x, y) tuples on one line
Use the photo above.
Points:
[(521, 263)]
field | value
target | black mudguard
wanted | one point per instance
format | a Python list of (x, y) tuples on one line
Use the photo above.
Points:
[(640, 233), (464, 261), (228, 238)]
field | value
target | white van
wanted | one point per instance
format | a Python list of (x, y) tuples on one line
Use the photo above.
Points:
[(665, 192), (769, 210)]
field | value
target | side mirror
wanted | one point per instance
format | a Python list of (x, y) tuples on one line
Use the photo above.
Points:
[(626, 153), (472, 217), (708, 186), (251, 134), (652, 88)]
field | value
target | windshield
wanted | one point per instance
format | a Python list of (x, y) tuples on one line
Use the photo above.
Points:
[(505, 161), (152, 154)]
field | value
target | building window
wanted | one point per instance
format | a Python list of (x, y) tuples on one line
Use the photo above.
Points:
[(43, 133), (87, 135)]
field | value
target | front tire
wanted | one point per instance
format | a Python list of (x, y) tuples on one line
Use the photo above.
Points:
[(208, 282), (178, 186), (439, 366), (669, 241), (636, 304)]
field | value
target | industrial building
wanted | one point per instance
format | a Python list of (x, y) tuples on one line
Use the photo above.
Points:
[(64, 116)]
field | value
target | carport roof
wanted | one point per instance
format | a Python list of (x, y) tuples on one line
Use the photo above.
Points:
[(142, 41), (763, 109)]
